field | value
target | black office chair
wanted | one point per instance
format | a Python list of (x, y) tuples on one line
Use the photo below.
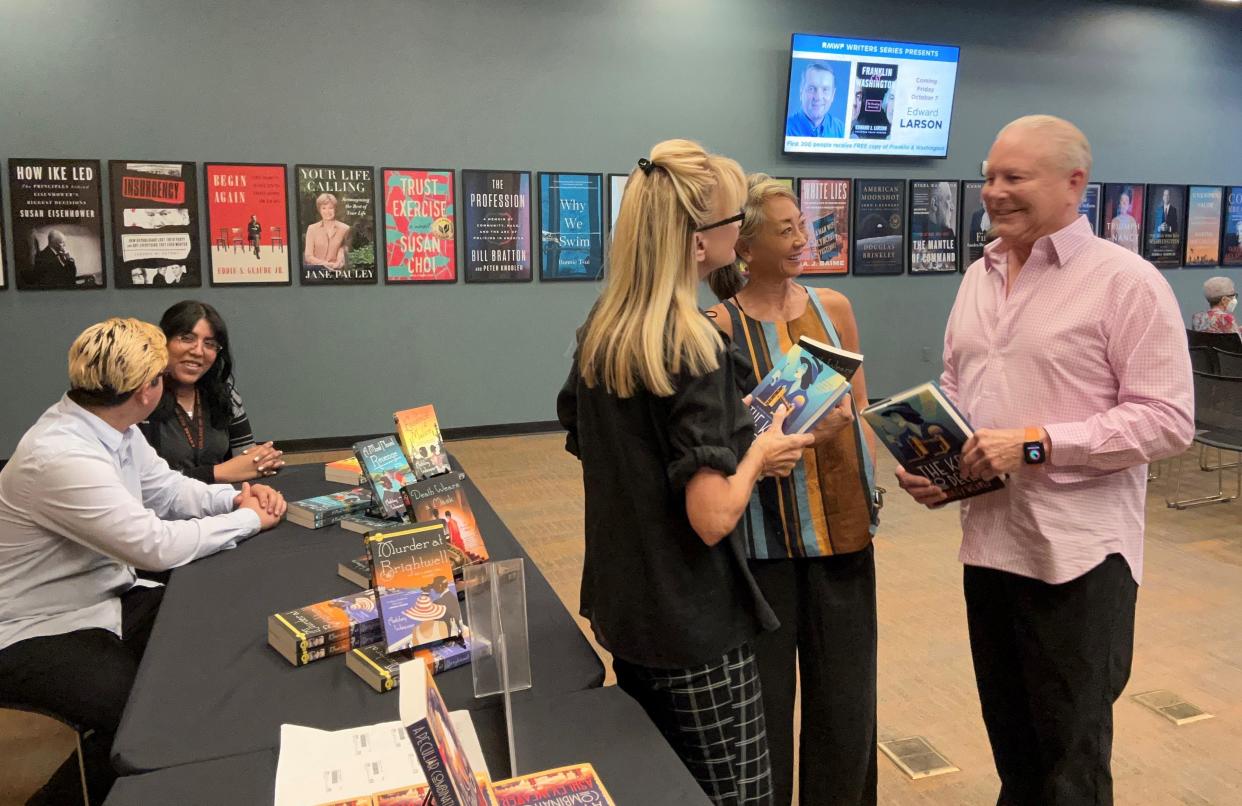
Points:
[(1218, 424), (1203, 359), (1229, 363), (78, 731), (1221, 341)]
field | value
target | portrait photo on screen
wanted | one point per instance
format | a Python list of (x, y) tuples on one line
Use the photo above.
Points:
[(1123, 214), (336, 219), (57, 220), (155, 235), (1231, 247), (817, 106), (1204, 205), (1166, 220)]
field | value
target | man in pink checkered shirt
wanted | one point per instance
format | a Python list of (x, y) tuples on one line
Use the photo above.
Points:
[(1068, 356)]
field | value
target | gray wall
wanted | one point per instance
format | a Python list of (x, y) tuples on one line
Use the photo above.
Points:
[(543, 85)]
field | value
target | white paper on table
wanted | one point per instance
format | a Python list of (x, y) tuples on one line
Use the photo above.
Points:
[(321, 766)]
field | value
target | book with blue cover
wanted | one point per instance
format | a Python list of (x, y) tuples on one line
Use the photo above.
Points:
[(804, 382), (925, 433), (385, 468), (325, 510)]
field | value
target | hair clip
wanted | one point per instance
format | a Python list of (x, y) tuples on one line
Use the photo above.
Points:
[(647, 165)]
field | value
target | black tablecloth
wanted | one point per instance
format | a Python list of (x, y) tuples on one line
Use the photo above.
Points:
[(209, 685), (603, 727)]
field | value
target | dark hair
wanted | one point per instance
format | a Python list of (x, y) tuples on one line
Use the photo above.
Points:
[(726, 282), (104, 398), (216, 385)]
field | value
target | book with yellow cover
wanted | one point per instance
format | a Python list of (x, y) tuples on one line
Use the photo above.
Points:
[(344, 471), (419, 434), (414, 585)]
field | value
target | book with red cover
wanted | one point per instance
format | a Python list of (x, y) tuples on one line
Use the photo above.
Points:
[(577, 783)]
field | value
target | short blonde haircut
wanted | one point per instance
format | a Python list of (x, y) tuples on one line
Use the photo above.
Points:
[(326, 197), (646, 326), (1069, 145), (117, 357)]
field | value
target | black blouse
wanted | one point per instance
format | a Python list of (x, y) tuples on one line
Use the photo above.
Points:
[(656, 595), (165, 434)]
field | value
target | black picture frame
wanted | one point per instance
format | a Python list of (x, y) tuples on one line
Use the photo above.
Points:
[(544, 275), (813, 226), (4, 252), (885, 259), (1164, 244), (122, 273), (1093, 212), (303, 225), (1216, 231), (972, 235), (456, 223), (614, 202), (212, 237), (952, 252), (1231, 213), (90, 242), (470, 266)]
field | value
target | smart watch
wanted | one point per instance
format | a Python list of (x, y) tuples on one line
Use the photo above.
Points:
[(1033, 452)]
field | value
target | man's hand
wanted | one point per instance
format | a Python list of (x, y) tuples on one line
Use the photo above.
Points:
[(993, 452), (268, 504), (921, 488)]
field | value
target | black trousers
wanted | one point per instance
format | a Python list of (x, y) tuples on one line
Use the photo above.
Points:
[(85, 677), (828, 621), (1050, 661)]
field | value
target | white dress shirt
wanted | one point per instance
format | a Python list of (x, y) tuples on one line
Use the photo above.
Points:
[(82, 505)]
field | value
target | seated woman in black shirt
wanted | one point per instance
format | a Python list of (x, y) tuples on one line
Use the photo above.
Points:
[(200, 426), (669, 460)]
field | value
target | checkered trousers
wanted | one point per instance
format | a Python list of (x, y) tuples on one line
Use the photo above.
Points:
[(712, 715)]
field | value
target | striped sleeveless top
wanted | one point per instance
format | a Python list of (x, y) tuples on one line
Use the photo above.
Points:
[(825, 506)]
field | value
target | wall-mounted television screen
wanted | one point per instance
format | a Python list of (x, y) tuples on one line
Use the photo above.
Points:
[(869, 96)]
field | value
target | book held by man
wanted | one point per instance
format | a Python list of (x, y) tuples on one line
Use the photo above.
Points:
[(414, 585), (803, 381), (325, 510), (419, 433), (385, 468), (309, 633), (925, 433)]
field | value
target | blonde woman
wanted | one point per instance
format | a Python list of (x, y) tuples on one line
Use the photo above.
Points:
[(668, 462), (808, 536)]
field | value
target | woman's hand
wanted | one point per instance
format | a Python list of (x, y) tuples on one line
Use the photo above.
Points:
[(834, 423), (252, 463), (780, 452)]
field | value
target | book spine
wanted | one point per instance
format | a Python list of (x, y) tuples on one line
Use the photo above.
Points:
[(309, 639), (434, 764)]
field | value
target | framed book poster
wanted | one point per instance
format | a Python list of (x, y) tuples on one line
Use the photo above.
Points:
[(933, 227), (571, 226), (1204, 206), (497, 226), (420, 226), (1231, 242), (1090, 205), (3, 252), (974, 223), (248, 223), (336, 219), (1123, 214), (825, 207), (616, 189), (1165, 233), (57, 223), (879, 226), (155, 233)]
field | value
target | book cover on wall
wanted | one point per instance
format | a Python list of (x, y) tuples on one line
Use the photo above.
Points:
[(1231, 242), (436, 742), (248, 223), (1204, 206), (787, 181), (1164, 238), (577, 783), (974, 223), (871, 114), (1123, 214), (933, 227), (386, 470), (925, 434), (420, 226), (418, 431), (414, 585), (879, 226), (616, 189), (325, 628), (497, 224), (571, 226), (804, 383), (155, 235), (336, 219), (444, 498), (1090, 205), (825, 207), (57, 219)]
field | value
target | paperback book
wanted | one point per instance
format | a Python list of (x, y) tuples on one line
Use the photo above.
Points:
[(306, 634), (577, 783), (357, 571), (414, 585), (382, 670), (444, 498), (344, 471), (325, 510), (386, 470), (925, 433), (363, 523), (436, 743), (419, 434), (805, 383)]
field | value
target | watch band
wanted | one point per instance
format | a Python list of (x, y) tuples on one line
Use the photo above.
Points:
[(1032, 435)]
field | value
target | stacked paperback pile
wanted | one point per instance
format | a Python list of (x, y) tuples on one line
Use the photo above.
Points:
[(419, 533)]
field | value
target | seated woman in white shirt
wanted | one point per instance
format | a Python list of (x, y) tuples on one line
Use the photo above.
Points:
[(84, 502)]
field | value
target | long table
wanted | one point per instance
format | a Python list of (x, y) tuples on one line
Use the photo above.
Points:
[(210, 687), (603, 727)]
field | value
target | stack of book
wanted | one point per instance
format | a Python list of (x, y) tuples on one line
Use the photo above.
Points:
[(344, 471), (325, 510), (334, 627)]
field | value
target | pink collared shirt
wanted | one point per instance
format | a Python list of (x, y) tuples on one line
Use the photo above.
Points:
[(1090, 345)]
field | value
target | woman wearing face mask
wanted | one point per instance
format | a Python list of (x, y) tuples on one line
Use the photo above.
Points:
[(669, 460), (808, 535), (200, 426), (1222, 300)]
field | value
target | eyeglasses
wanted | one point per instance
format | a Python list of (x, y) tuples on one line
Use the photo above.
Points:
[(731, 219), (188, 340)]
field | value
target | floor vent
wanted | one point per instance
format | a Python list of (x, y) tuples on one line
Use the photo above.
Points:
[(916, 758), (1171, 706)]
